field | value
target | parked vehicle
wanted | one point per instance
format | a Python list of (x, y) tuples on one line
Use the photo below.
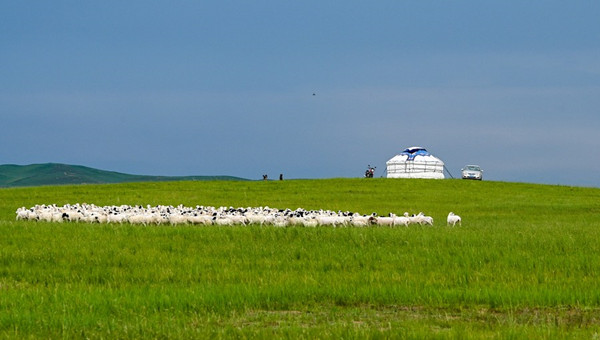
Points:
[(370, 171), (472, 172)]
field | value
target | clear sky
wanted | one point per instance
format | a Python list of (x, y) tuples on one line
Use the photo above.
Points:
[(310, 89)]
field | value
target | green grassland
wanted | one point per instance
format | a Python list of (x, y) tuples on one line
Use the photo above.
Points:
[(524, 264)]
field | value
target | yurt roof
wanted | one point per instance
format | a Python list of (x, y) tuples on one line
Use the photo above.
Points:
[(409, 154)]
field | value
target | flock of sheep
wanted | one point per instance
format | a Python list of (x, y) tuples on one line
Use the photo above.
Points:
[(206, 215)]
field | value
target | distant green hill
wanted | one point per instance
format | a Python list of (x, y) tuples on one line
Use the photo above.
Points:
[(56, 174)]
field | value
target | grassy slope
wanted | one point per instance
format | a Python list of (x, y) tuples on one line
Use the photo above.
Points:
[(526, 262), (60, 174)]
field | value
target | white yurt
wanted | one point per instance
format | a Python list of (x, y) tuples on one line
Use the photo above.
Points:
[(415, 162)]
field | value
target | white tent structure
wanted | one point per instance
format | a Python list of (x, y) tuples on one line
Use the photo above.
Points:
[(415, 162)]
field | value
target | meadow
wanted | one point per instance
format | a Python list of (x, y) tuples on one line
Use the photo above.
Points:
[(524, 264)]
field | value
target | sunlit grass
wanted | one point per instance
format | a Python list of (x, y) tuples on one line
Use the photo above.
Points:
[(525, 263)]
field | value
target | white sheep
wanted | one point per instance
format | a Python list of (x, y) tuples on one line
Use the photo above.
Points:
[(222, 220), (453, 219), (116, 217), (385, 221), (327, 220), (210, 215), (24, 214), (400, 220), (176, 218), (422, 219), (358, 220), (200, 219), (427, 220), (138, 219), (238, 219), (310, 222), (413, 219)]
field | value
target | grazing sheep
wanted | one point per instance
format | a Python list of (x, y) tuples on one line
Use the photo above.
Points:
[(238, 219), (280, 221), (177, 219), (222, 220), (296, 220), (358, 220), (116, 218), (24, 213), (428, 220), (413, 219), (400, 220), (421, 219), (385, 221), (327, 220), (453, 219), (310, 222), (206, 215), (200, 219)]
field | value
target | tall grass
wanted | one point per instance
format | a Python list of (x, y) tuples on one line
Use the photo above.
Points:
[(526, 262)]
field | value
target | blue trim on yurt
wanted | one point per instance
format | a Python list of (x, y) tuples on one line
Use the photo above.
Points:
[(413, 152)]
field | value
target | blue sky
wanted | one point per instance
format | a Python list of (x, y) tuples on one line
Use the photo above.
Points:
[(226, 87)]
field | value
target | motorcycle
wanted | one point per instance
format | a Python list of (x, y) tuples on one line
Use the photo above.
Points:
[(370, 171)]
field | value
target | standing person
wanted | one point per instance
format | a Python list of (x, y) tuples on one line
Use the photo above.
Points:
[(281, 177)]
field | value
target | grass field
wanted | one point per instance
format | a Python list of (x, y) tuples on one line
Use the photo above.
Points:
[(525, 264)]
